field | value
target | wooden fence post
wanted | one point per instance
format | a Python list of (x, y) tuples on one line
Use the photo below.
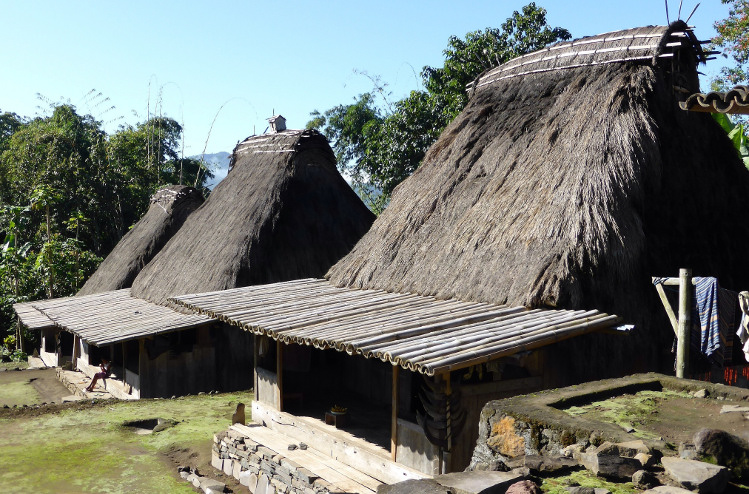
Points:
[(685, 296)]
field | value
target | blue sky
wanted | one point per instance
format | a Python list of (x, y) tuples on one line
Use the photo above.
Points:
[(221, 68)]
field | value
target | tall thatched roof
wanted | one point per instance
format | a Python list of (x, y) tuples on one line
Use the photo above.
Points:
[(283, 212), (568, 181), (170, 207)]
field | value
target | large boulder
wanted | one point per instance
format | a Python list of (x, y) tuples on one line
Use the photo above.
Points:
[(696, 475), (455, 483), (725, 449), (549, 465), (609, 460)]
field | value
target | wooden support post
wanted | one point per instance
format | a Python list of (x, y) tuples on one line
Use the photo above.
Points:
[(447, 454), (394, 415), (255, 343), (685, 296), (19, 336), (143, 390), (76, 351), (279, 373)]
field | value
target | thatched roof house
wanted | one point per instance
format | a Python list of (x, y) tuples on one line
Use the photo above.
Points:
[(169, 209), (571, 177), (283, 212)]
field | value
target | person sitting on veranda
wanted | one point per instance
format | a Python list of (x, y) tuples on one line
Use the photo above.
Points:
[(106, 369)]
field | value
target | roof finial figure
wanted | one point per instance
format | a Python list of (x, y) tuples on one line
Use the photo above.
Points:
[(277, 123)]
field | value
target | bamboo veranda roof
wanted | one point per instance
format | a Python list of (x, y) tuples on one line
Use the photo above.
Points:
[(32, 318), (114, 317), (419, 333)]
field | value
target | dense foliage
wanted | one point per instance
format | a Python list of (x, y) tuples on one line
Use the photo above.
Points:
[(733, 40), (69, 192), (379, 146)]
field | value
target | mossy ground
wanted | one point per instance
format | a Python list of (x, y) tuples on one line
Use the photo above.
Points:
[(89, 450), (584, 478), (630, 411)]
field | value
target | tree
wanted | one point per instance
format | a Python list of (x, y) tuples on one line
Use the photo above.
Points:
[(733, 39), (10, 123), (69, 192), (380, 147)]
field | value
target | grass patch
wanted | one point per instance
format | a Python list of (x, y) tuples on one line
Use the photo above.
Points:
[(18, 393), (90, 450), (584, 478)]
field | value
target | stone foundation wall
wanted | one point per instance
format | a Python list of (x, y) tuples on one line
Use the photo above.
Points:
[(262, 469)]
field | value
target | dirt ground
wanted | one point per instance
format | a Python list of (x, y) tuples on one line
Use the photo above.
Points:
[(30, 387)]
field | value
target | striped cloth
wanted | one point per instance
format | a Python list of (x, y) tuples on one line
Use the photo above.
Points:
[(712, 308), (713, 318)]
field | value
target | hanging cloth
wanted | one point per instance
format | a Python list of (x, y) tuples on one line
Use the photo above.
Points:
[(743, 331)]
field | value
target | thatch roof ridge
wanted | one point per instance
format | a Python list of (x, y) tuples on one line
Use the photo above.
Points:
[(642, 44), (283, 212), (170, 207)]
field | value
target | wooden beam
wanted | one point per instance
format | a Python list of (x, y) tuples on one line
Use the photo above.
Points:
[(394, 416), (682, 349), (673, 281), (669, 309)]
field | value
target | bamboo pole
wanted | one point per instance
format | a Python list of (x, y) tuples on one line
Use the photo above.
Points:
[(682, 349), (669, 310)]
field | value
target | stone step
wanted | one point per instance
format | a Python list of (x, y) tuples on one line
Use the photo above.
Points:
[(342, 476)]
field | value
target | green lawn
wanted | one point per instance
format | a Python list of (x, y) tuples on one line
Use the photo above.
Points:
[(89, 450)]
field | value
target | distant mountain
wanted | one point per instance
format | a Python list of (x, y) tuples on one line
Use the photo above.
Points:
[(218, 164)]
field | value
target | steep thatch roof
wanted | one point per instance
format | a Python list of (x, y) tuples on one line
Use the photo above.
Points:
[(169, 209), (283, 212), (568, 185)]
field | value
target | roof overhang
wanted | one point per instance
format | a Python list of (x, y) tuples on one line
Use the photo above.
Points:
[(734, 101), (419, 333), (114, 317)]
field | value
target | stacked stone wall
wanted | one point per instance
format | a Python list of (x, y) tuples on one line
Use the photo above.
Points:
[(261, 469)]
